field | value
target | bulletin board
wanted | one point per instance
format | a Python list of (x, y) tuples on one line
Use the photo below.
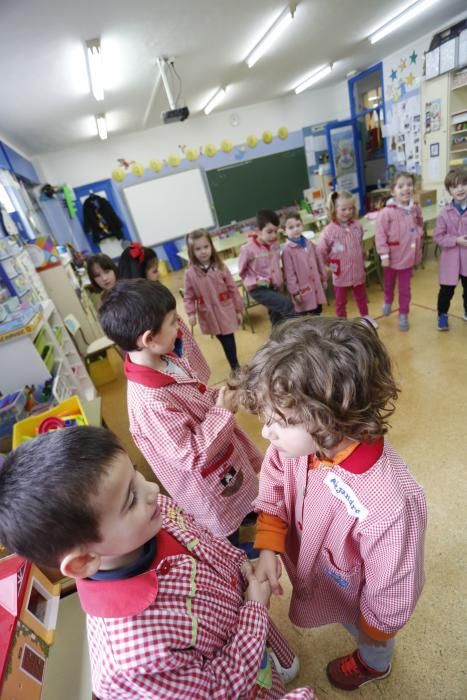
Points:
[(169, 207)]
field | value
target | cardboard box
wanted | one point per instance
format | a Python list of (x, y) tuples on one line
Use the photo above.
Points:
[(100, 370), (427, 198)]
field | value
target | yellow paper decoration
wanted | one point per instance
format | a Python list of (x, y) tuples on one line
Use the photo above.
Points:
[(173, 160), (191, 153), (118, 174), (155, 165), (226, 145), (267, 136), (283, 132), (137, 170), (251, 141), (210, 150)]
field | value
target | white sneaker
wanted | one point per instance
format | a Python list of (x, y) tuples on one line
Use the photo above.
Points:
[(286, 674), (371, 320)]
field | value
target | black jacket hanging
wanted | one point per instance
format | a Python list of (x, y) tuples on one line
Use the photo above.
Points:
[(100, 218)]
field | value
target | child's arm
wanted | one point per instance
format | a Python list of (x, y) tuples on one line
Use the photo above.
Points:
[(442, 237), (290, 275), (381, 237), (323, 273), (167, 432), (243, 261), (392, 551), (234, 293), (324, 245), (189, 299)]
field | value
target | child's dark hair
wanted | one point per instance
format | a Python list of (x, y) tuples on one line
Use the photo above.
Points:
[(105, 262), (456, 176), (195, 236), (133, 307), (397, 176), (265, 217), (135, 260), (333, 375), (47, 487), (292, 214)]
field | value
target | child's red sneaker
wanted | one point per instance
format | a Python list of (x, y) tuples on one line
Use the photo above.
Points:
[(351, 672)]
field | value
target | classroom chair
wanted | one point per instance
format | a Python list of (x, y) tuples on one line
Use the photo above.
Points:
[(372, 261), (94, 354)]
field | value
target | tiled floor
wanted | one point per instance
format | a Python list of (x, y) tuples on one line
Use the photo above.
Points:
[(430, 432)]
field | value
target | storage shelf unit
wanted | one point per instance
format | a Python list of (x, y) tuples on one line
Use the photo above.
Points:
[(23, 363)]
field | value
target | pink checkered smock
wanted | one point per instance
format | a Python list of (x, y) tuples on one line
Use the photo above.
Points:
[(192, 353), (214, 297), (450, 225), (181, 630), (304, 274), (195, 448), (399, 234), (260, 264), (340, 247), (355, 541)]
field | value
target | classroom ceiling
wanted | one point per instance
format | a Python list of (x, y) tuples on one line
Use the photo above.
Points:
[(45, 103)]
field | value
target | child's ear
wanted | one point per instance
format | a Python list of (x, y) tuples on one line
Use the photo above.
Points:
[(79, 564), (144, 340)]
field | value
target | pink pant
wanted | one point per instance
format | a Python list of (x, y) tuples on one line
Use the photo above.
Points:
[(359, 292), (390, 277)]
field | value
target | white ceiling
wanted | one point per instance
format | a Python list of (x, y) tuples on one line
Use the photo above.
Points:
[(45, 103)]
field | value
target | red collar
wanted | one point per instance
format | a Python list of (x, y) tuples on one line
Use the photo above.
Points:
[(259, 243), (129, 596), (362, 458), (146, 375)]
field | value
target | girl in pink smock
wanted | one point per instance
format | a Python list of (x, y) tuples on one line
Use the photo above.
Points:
[(340, 247), (399, 235), (451, 236), (211, 295), (304, 272), (335, 500)]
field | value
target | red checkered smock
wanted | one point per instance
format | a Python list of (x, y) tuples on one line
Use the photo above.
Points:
[(206, 463), (355, 540), (399, 235), (181, 630), (340, 247), (192, 353), (214, 297)]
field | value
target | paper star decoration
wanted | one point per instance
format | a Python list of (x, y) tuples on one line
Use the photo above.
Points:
[(410, 79), (393, 74), (413, 57), (402, 64)]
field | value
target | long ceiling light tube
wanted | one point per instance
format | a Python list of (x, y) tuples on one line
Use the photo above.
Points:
[(214, 100), (101, 124), (96, 74), (270, 36), (317, 75), (412, 11)]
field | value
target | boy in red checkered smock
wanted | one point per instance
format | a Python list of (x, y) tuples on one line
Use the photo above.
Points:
[(336, 501), (186, 430), (172, 612)]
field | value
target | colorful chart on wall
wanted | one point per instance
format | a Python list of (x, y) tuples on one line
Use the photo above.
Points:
[(170, 207)]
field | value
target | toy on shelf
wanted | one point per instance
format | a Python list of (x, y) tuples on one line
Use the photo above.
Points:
[(67, 413)]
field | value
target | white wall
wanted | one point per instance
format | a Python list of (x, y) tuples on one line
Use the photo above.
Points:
[(97, 159)]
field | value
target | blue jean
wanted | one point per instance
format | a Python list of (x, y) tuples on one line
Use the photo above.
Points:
[(377, 658), (278, 305)]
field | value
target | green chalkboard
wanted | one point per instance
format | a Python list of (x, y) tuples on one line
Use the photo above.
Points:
[(271, 182)]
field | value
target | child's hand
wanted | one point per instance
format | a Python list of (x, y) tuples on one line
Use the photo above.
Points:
[(324, 282), (227, 398), (364, 638), (462, 240), (298, 298), (192, 319), (269, 569), (260, 591), (384, 262), (240, 317)]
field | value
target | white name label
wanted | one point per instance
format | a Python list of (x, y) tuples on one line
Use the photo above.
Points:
[(344, 493)]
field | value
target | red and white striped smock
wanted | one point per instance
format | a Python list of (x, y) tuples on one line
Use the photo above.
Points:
[(181, 630), (340, 247), (355, 541), (192, 353), (195, 448)]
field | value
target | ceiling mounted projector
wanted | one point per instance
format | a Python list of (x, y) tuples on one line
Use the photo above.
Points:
[(175, 113)]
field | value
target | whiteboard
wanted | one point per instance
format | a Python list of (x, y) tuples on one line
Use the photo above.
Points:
[(169, 207)]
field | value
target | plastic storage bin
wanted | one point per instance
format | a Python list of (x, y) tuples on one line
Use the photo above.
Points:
[(27, 428), (100, 370)]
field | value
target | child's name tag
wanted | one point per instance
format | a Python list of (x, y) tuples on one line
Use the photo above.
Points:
[(344, 493)]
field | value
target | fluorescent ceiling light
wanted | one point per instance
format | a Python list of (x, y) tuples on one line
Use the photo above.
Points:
[(101, 126), (274, 31), (318, 74), (214, 100), (412, 11), (94, 56)]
